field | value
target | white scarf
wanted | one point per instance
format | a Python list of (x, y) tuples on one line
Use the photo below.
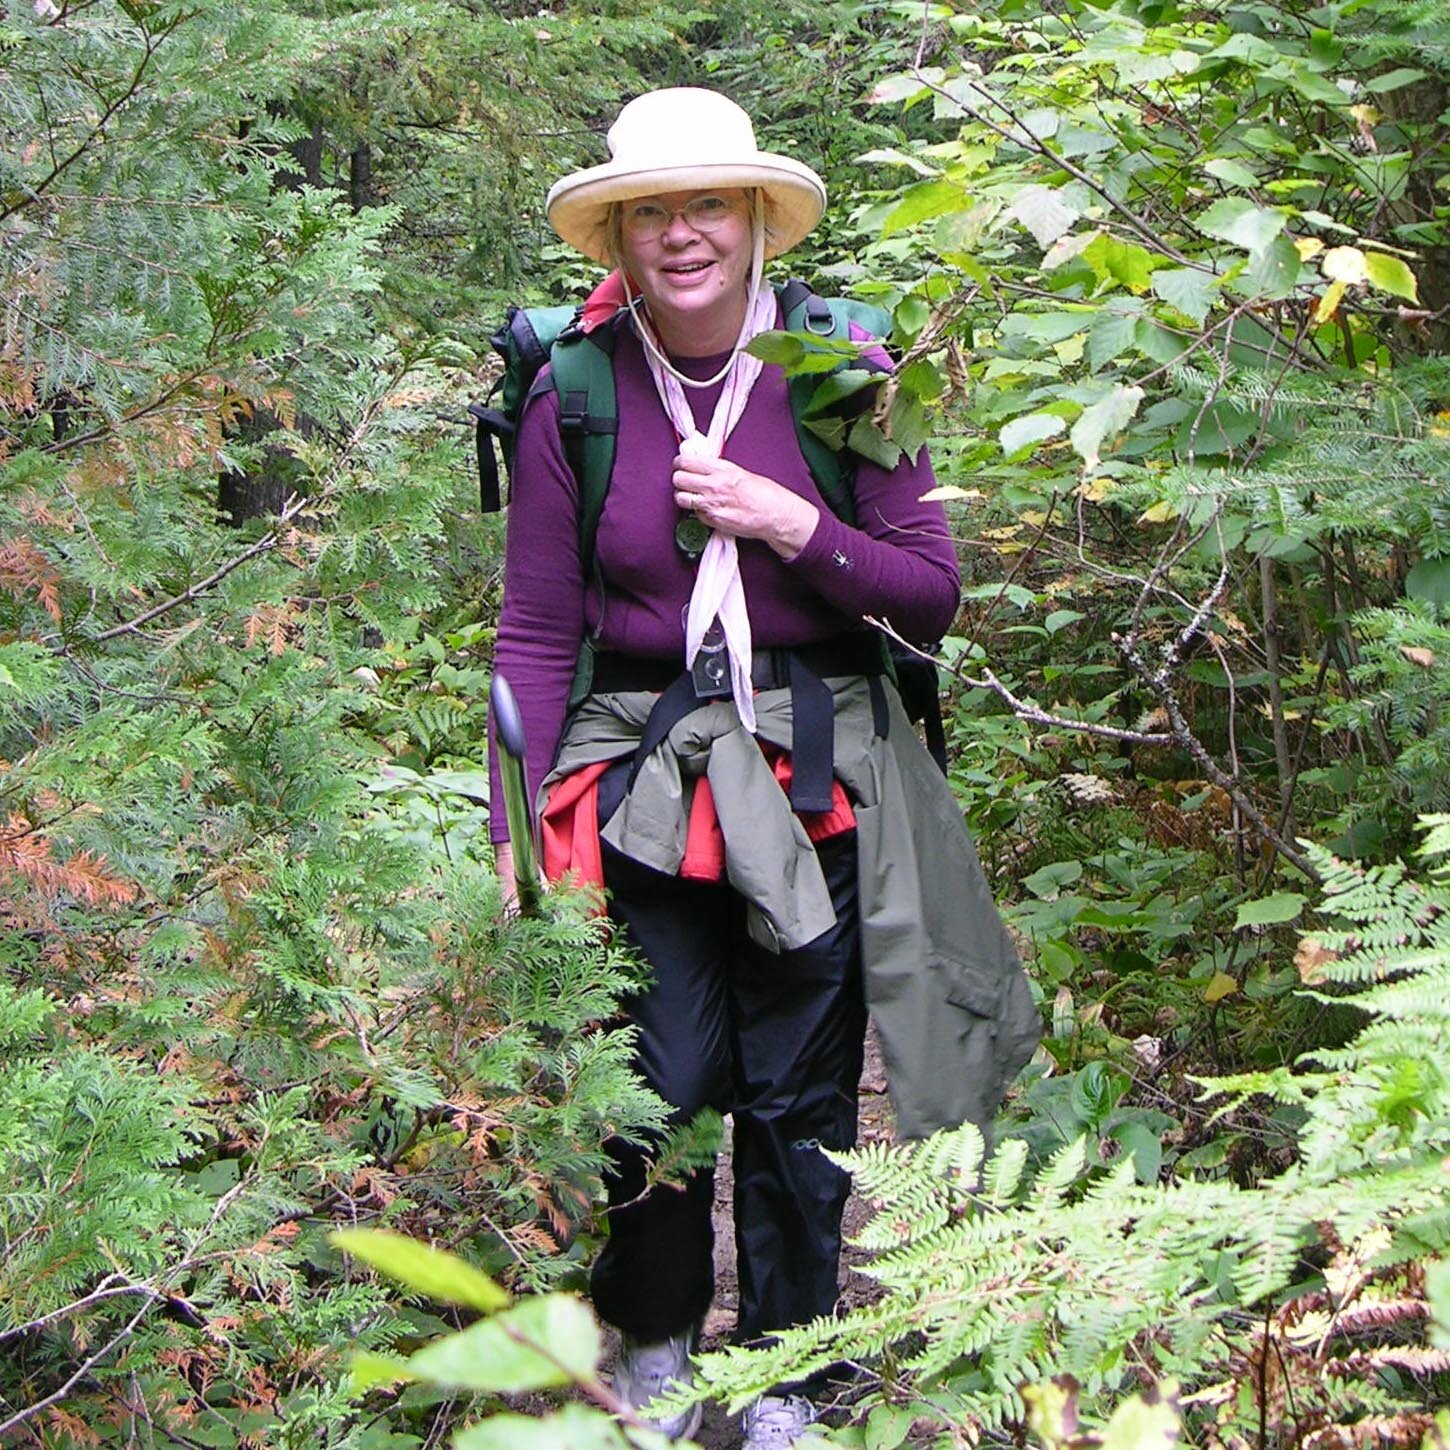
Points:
[(718, 592)]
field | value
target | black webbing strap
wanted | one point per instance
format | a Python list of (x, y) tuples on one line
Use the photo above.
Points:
[(671, 707), (812, 738), (813, 731), (488, 424)]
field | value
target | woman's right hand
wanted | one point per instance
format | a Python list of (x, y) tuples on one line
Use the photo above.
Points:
[(503, 865)]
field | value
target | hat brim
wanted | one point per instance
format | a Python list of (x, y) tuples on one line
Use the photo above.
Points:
[(795, 197)]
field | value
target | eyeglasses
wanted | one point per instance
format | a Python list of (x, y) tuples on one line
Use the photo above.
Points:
[(646, 220)]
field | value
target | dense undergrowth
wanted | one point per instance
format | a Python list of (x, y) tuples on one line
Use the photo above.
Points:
[(1168, 286)]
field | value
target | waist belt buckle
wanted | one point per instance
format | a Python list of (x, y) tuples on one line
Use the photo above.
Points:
[(710, 669)]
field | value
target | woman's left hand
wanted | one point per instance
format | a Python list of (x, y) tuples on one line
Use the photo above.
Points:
[(748, 505)]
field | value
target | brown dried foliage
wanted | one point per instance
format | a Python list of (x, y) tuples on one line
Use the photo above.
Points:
[(25, 571), (26, 856)]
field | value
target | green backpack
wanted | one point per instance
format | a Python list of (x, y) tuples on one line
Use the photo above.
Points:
[(582, 374)]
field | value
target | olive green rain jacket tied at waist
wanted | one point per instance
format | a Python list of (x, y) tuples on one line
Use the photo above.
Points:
[(942, 979)]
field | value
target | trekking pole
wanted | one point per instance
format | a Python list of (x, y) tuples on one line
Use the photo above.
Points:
[(508, 730)]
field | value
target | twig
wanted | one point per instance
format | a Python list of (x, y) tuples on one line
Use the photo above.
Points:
[(1022, 708), (265, 544), (1017, 131), (1184, 736), (30, 1411)]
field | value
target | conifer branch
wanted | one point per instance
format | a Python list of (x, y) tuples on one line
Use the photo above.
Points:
[(265, 544), (33, 194), (28, 1412)]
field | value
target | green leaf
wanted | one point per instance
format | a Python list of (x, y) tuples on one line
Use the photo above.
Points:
[(1096, 1091), (430, 1271), (367, 1371), (870, 442), (542, 1342), (1391, 275), (907, 424), (1231, 172), (779, 348), (1048, 881), (1125, 263), (1112, 334), (1029, 429), (1393, 80), (922, 202), (1270, 910), (887, 1427), (912, 314), (890, 156), (838, 387), (1146, 1148), (1430, 580), (1061, 618), (1102, 422), (575, 1427), (922, 378), (1272, 272), (1237, 220), (797, 355), (894, 88), (1188, 289), (1042, 210)]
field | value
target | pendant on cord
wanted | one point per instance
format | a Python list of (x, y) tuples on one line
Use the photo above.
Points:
[(691, 536)]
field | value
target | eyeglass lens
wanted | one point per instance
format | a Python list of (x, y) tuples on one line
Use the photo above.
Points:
[(646, 220)]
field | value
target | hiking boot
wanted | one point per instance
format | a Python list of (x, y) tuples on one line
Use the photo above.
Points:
[(776, 1422), (644, 1372)]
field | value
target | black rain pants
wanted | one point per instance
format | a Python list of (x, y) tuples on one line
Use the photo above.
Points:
[(774, 1040)]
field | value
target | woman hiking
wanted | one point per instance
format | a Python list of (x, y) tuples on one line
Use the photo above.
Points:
[(716, 738)]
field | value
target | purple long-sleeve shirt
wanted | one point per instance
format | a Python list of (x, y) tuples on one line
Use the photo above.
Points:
[(897, 563)]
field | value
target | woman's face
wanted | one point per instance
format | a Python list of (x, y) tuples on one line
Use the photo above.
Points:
[(689, 251)]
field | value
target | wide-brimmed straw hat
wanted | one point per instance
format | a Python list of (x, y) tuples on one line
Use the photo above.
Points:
[(685, 139)]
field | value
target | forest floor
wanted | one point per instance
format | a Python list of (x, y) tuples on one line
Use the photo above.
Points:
[(720, 1431)]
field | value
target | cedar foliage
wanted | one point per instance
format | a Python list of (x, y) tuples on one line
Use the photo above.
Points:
[(247, 987)]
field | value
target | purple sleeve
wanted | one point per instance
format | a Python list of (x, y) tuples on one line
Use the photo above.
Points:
[(543, 605), (898, 564)]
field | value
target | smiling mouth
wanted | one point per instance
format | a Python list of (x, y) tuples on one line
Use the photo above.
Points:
[(687, 269)]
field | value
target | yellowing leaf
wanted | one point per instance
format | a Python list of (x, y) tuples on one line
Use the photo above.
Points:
[(1391, 275), (1328, 304), (1308, 247), (1159, 513), (1344, 264), (423, 1268), (950, 490), (1220, 987), (1097, 490)]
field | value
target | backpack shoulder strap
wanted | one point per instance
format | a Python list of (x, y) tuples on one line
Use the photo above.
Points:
[(582, 369)]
